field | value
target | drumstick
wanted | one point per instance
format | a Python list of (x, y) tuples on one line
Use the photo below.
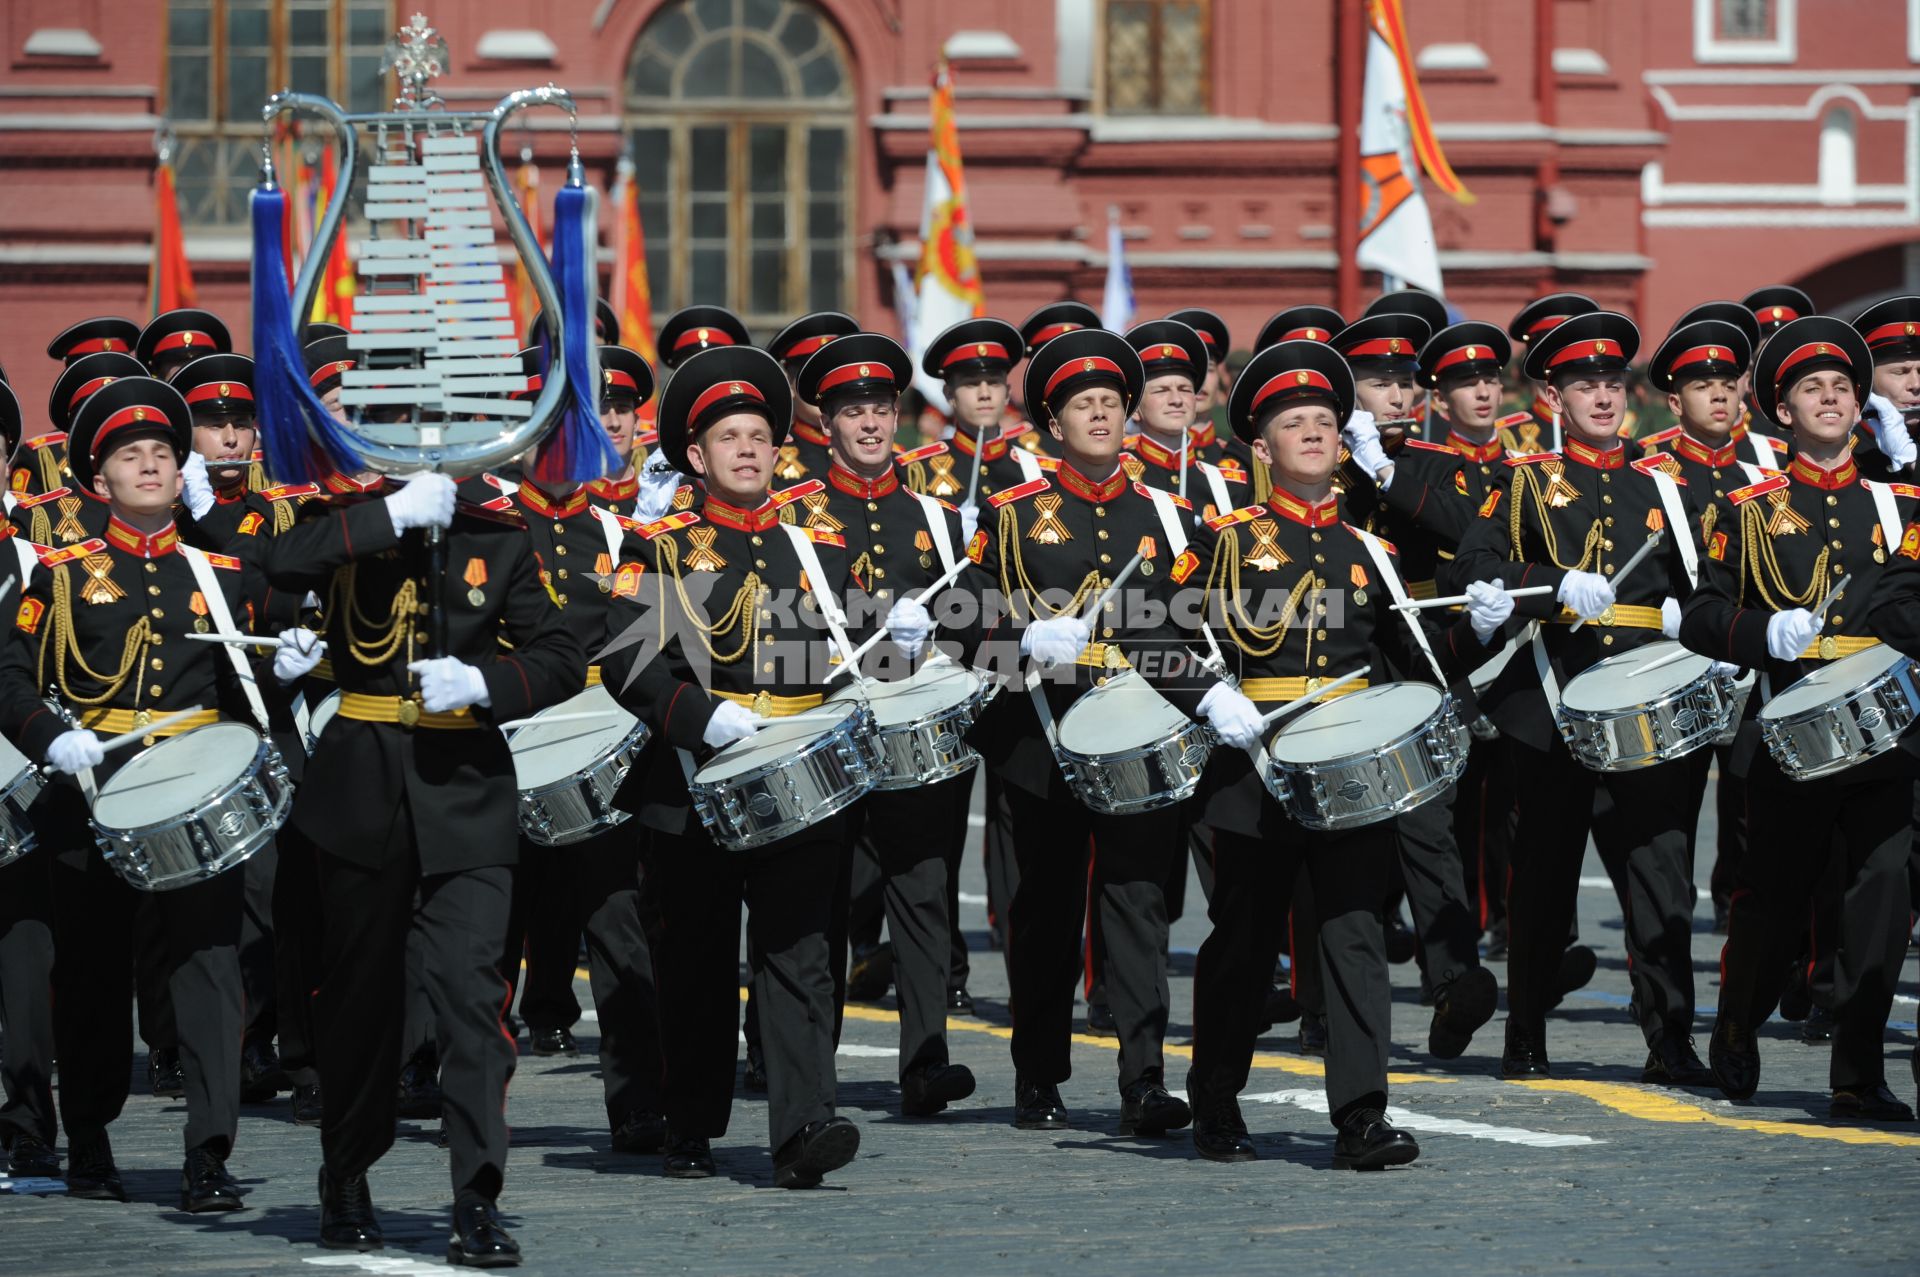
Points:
[(1456, 600), (599, 716), (979, 452), (1671, 658), (1093, 613), (112, 743), (1653, 539), (1825, 603), (951, 575), (1301, 702), (247, 640)]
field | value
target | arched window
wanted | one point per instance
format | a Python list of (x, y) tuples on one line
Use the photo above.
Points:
[(1837, 157), (740, 124)]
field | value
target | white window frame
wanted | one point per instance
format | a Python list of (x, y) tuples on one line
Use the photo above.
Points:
[(1913, 30), (1784, 47)]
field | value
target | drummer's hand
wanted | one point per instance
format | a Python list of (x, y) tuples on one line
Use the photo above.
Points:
[(75, 751), (658, 482), (1587, 593), (1723, 669), (1232, 716), (908, 625), (195, 488), (299, 653), (1488, 607), (448, 683), (1788, 633), (1895, 440), (1362, 438), (1055, 641), (424, 501), (969, 521), (1670, 617), (730, 722)]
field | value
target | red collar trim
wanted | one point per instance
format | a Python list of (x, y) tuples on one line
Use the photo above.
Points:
[(1492, 451), (1158, 453), (124, 537), (1692, 449), (1542, 409), (1845, 475), (1588, 455), (732, 516), (1086, 489), (1203, 437), (966, 445), (547, 508), (616, 489), (810, 434), (854, 486), (1322, 514)]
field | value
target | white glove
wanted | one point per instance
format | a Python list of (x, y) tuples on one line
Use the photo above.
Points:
[(448, 683), (1788, 633), (908, 623), (1055, 641), (730, 722), (969, 522), (75, 751), (658, 482), (1669, 617), (1587, 593), (424, 501), (1488, 607), (1896, 441), (1362, 438), (1721, 669), (299, 653), (1234, 718), (196, 489)]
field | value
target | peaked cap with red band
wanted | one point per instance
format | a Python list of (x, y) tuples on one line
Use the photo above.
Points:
[(1778, 304), (696, 328), (182, 335), (1173, 346), (798, 341), (1070, 364), (1544, 314), (862, 364), (624, 375), (1053, 320), (1892, 329), (1393, 338), (974, 346), (1300, 323), (1703, 348), (217, 386), (1285, 374), (716, 383), (83, 377), (1418, 302), (1468, 349), (1212, 329), (1726, 312), (1815, 344), (131, 408), (108, 334), (1601, 343)]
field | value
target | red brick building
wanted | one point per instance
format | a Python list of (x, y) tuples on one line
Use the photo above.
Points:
[(1651, 152)]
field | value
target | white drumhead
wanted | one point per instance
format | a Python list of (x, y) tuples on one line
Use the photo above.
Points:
[(1832, 680), (1612, 685), (1125, 714), (322, 714), (546, 752), (176, 775), (933, 688), (12, 761), (1357, 723), (780, 739)]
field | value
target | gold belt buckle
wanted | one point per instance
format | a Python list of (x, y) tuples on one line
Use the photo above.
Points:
[(141, 718), (763, 704), (1313, 685), (1606, 617), (409, 714), (1111, 656), (1829, 647)]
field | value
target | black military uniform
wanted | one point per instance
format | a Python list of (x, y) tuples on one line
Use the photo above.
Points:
[(178, 337), (1532, 429), (674, 666), (1777, 546), (1213, 481), (1588, 509)]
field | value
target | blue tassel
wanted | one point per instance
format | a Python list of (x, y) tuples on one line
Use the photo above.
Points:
[(302, 441), (577, 450)]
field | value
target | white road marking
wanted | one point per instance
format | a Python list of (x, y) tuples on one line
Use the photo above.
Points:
[(976, 821), (387, 1266), (1316, 1102), (877, 1052), (968, 898)]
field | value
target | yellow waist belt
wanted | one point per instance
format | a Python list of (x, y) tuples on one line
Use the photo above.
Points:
[(767, 705), (403, 710), (323, 670), (1422, 590), (1620, 616), (1292, 689), (1835, 646), (1102, 656), (116, 722), (593, 676)]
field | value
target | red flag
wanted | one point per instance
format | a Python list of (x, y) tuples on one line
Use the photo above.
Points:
[(524, 300), (630, 296), (170, 278), (333, 300)]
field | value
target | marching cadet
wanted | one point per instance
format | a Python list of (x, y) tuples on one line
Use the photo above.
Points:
[(1288, 404), (63, 514), (808, 451), (1432, 312), (1217, 342), (702, 684), (1888, 451), (1569, 520), (107, 335), (1534, 428), (175, 338), (972, 360), (1072, 533), (1055, 319), (898, 544), (1383, 351), (1796, 576), (1175, 440), (622, 373), (1777, 305), (408, 808)]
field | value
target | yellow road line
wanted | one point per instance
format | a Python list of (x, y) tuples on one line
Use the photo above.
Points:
[(1651, 1106)]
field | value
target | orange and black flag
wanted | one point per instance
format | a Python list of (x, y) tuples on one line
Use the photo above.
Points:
[(170, 277)]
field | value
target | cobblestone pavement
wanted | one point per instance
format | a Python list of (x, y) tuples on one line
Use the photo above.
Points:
[(1589, 1171)]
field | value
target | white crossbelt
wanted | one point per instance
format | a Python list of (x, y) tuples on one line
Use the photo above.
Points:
[(817, 583), (1170, 523), (1216, 484), (1891, 526), (1377, 551), (223, 623), (1028, 463), (1677, 520)]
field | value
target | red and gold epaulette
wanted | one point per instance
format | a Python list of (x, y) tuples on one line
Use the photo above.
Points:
[(1512, 419), (502, 485), (1221, 522), (647, 438), (1177, 499), (1424, 446), (1653, 441), (1027, 489), (820, 536), (1908, 490), (1530, 457), (48, 439), (497, 504), (52, 558), (1017, 430), (630, 524), (1045, 462), (226, 561), (787, 496), (291, 491), (28, 503), (1778, 445), (671, 523), (907, 458), (1660, 463), (498, 510), (947, 505), (1360, 532), (1773, 484)]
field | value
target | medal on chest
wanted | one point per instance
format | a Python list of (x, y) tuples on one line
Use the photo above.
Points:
[(475, 576), (1265, 555), (1047, 528)]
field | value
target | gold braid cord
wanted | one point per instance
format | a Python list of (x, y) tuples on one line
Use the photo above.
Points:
[(740, 614), (65, 643), (1017, 585), (285, 514), (1589, 552), (1253, 639), (1757, 554), (389, 635)]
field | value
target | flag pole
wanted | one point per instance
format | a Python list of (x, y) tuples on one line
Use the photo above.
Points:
[(1350, 58)]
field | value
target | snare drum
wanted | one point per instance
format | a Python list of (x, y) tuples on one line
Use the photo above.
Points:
[(192, 806), (1367, 756), (792, 773), (321, 715), (922, 722), (568, 772), (1614, 720), (22, 785), (1843, 713), (1123, 748)]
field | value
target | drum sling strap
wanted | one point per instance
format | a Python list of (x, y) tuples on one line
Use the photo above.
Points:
[(614, 533), (1677, 520), (1163, 505), (1028, 463), (817, 583), (1391, 579), (1217, 486), (223, 623)]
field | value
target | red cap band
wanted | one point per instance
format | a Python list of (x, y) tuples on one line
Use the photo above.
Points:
[(1079, 367), (182, 340), (702, 337), (722, 390), (220, 390), (133, 414), (333, 369), (1594, 349), (1298, 379), (1051, 331), (1465, 355), (1701, 355), (1890, 334), (977, 350), (98, 383), (854, 372), (1775, 314), (1545, 323), (1380, 346), (806, 346), (94, 345), (1812, 350), (1306, 334), (611, 377), (1206, 336)]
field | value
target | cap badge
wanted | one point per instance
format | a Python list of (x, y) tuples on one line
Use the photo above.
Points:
[(139, 414), (186, 339), (1910, 330), (225, 390), (1778, 312), (1393, 345), (1313, 334), (1473, 352), (1823, 349), (736, 389), (1300, 378), (701, 334), (866, 371), (1166, 352), (1599, 347), (980, 349), (1086, 365)]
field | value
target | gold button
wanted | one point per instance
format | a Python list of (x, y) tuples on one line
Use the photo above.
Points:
[(1839, 570), (1319, 582), (872, 506), (158, 639), (154, 690), (1109, 606), (879, 574), (1838, 546), (1833, 523), (1605, 477), (1608, 520), (1606, 640), (1606, 500), (1320, 661), (873, 527), (1835, 620), (160, 665), (1104, 583), (1100, 510), (879, 549), (158, 615), (152, 566), (1106, 558), (559, 549), (1718, 493), (1316, 537), (1607, 544), (1101, 533), (1319, 558), (761, 564), (1100, 681), (1832, 500), (558, 526), (1106, 632), (767, 668), (754, 539), (766, 638), (563, 574), (153, 589), (1607, 568), (1320, 636), (1716, 474)]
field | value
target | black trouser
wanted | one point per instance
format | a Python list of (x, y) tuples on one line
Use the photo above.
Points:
[(26, 998), (299, 954), (1302, 943), (257, 940), (692, 892), (1730, 813), (1190, 836), (600, 878), (1644, 832), (1056, 843), (867, 906), (460, 919), (1483, 810), (94, 913), (155, 1019), (1862, 817), (544, 927), (914, 836), (1254, 879), (1002, 866)]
